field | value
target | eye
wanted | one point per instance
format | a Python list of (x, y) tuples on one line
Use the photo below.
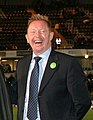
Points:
[(42, 31), (32, 32)]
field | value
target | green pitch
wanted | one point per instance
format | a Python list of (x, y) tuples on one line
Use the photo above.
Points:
[(88, 116)]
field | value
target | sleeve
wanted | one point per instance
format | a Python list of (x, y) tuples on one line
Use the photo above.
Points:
[(78, 89), (5, 105)]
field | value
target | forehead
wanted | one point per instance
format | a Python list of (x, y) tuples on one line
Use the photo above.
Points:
[(38, 24)]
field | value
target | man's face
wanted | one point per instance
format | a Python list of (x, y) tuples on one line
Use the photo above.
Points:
[(39, 36)]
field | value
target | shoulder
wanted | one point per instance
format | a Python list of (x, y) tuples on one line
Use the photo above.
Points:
[(63, 55), (24, 58), (22, 61), (65, 58)]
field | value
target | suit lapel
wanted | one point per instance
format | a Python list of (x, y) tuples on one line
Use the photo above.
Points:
[(24, 78), (51, 67), (26, 68)]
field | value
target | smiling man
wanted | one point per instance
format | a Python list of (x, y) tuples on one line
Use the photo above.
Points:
[(62, 94), (39, 35)]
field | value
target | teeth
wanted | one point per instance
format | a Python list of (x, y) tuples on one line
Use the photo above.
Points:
[(37, 41)]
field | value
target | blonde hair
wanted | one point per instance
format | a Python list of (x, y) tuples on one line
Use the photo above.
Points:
[(41, 18)]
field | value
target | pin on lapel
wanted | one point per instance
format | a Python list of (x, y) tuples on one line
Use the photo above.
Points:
[(53, 65)]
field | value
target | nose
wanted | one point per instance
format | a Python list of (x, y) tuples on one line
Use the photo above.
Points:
[(37, 33)]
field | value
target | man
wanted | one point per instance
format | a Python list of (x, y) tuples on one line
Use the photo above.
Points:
[(62, 94), (5, 105)]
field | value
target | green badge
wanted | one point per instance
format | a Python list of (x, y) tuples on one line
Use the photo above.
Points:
[(53, 65)]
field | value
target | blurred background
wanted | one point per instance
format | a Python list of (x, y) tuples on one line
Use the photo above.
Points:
[(72, 23)]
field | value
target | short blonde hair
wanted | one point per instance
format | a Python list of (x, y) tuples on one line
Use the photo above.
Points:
[(40, 17)]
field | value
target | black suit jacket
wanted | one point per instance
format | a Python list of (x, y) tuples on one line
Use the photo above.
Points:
[(62, 95), (5, 105)]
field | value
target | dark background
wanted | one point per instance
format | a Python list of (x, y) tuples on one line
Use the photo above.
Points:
[(34, 2)]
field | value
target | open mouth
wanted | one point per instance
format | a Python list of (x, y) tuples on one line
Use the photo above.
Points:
[(38, 42)]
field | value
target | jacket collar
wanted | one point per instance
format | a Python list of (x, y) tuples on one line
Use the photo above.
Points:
[(51, 68)]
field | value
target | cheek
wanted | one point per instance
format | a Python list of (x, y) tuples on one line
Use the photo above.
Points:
[(45, 36), (30, 37)]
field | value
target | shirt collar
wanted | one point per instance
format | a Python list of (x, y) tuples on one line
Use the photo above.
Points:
[(44, 55)]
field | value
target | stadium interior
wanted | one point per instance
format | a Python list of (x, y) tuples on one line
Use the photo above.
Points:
[(72, 23)]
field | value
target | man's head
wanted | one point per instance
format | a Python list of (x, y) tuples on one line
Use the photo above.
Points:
[(39, 33)]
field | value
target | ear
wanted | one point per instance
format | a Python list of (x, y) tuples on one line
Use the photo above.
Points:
[(27, 38), (51, 35)]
